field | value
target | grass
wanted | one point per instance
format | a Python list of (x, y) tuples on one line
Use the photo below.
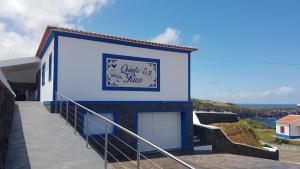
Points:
[(265, 134), (240, 132), (251, 132), (256, 124)]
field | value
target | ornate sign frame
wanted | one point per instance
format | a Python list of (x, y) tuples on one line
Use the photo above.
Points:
[(130, 73)]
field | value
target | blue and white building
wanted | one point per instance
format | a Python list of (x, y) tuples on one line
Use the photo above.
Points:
[(143, 86), (288, 127)]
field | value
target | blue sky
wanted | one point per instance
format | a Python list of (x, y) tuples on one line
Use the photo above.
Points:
[(249, 49)]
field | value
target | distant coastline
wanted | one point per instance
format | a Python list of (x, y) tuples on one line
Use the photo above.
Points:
[(269, 105)]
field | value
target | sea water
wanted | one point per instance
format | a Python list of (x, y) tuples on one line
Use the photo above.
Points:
[(270, 121)]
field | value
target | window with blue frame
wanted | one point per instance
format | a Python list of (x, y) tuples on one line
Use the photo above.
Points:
[(50, 67), (43, 74)]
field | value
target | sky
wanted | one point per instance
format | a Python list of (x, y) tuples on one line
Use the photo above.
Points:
[(249, 50)]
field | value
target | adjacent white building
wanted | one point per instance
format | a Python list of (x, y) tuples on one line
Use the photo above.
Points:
[(288, 127)]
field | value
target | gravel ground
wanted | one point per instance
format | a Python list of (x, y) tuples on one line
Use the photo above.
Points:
[(218, 161), (289, 153)]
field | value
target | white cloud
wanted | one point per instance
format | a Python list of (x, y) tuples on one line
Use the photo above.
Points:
[(13, 45), (170, 36), (280, 92), (27, 20), (283, 91), (197, 38)]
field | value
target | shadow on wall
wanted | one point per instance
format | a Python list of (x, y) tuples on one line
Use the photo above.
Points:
[(17, 155), (7, 103)]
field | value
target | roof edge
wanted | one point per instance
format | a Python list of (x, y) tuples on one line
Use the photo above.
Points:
[(288, 122), (50, 29)]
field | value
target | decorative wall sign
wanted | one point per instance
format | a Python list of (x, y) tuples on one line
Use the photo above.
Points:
[(130, 73)]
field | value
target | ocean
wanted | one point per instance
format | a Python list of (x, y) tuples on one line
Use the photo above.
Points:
[(269, 121)]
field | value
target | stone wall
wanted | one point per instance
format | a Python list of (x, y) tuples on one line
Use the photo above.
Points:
[(216, 117), (221, 143), (7, 103)]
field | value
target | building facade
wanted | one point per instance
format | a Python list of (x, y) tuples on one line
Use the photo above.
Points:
[(143, 86), (288, 127)]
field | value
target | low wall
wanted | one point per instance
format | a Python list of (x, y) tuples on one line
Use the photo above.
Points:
[(7, 103), (222, 143), (216, 117)]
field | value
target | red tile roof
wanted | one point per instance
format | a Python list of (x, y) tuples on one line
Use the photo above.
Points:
[(49, 29), (288, 119)]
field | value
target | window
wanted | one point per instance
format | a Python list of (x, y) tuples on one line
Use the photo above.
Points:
[(43, 74), (281, 129), (50, 67)]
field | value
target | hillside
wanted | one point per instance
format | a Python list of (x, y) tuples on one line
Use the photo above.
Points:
[(246, 112)]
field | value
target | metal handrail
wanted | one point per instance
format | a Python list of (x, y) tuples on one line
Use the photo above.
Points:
[(129, 132)]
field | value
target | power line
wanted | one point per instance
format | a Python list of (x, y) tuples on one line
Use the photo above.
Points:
[(252, 61)]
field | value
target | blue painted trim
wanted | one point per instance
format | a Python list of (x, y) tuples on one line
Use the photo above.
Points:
[(286, 136), (104, 87), (50, 68), (99, 39), (131, 102), (55, 75), (45, 47), (184, 123), (128, 102), (43, 73), (189, 76)]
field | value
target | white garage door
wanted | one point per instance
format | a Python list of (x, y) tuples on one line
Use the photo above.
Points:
[(161, 128), (97, 125)]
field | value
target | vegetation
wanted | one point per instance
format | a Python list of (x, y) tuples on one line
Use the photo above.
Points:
[(240, 132), (248, 131), (267, 135), (285, 141), (244, 112), (256, 124)]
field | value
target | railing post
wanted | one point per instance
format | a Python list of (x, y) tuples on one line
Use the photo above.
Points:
[(105, 145), (55, 106), (87, 130), (138, 157), (60, 107), (75, 120), (67, 112)]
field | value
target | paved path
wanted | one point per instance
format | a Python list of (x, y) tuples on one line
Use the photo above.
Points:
[(206, 160), (40, 140)]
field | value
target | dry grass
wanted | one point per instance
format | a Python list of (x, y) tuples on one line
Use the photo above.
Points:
[(239, 132)]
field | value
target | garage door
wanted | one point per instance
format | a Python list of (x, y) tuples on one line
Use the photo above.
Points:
[(161, 128)]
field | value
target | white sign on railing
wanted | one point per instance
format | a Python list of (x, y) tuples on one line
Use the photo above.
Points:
[(130, 73)]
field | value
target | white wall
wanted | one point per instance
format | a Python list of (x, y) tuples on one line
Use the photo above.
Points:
[(46, 90), (5, 82), (286, 129), (295, 131), (80, 72)]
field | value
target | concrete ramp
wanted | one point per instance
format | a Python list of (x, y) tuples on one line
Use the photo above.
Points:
[(40, 140)]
